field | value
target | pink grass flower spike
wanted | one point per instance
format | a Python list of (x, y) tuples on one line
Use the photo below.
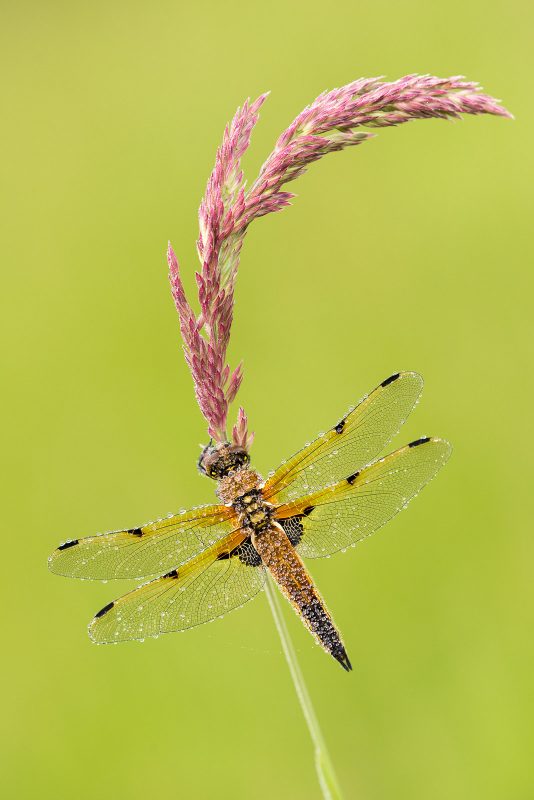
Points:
[(327, 125)]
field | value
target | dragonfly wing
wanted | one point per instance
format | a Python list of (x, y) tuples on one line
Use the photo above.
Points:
[(341, 515), (222, 578), (356, 439), (152, 549)]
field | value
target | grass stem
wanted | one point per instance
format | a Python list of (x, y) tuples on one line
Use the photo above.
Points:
[(323, 764)]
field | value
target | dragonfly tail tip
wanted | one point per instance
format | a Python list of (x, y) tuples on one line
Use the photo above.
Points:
[(341, 656)]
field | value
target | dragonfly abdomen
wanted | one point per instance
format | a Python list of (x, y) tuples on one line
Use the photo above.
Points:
[(289, 572)]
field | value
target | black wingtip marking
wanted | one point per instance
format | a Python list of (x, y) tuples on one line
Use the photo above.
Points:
[(342, 657), (417, 442), (66, 545), (135, 531), (104, 610), (352, 477), (339, 427), (390, 379), (172, 574), (308, 510), (223, 556)]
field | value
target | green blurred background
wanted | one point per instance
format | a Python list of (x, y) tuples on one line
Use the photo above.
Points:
[(411, 252)]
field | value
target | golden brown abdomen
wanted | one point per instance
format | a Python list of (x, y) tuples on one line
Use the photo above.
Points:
[(289, 572)]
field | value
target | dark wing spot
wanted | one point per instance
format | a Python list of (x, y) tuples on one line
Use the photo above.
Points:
[(66, 545), (172, 574), (293, 528), (352, 477), (307, 511), (247, 553), (104, 610), (417, 442), (136, 531), (390, 379), (339, 427)]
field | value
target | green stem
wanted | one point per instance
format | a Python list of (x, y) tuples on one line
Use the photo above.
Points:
[(323, 764)]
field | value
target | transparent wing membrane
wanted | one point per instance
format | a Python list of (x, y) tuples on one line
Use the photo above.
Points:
[(152, 549), (326, 498), (337, 517), (214, 583), (356, 439)]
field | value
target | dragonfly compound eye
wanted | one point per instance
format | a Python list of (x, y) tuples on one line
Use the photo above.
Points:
[(219, 460)]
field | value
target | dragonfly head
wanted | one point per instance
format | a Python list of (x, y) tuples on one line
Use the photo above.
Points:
[(219, 460)]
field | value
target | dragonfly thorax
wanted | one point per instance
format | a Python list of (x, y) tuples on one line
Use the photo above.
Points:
[(237, 484), (253, 511)]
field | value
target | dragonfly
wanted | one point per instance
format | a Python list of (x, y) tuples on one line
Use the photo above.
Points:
[(200, 564)]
